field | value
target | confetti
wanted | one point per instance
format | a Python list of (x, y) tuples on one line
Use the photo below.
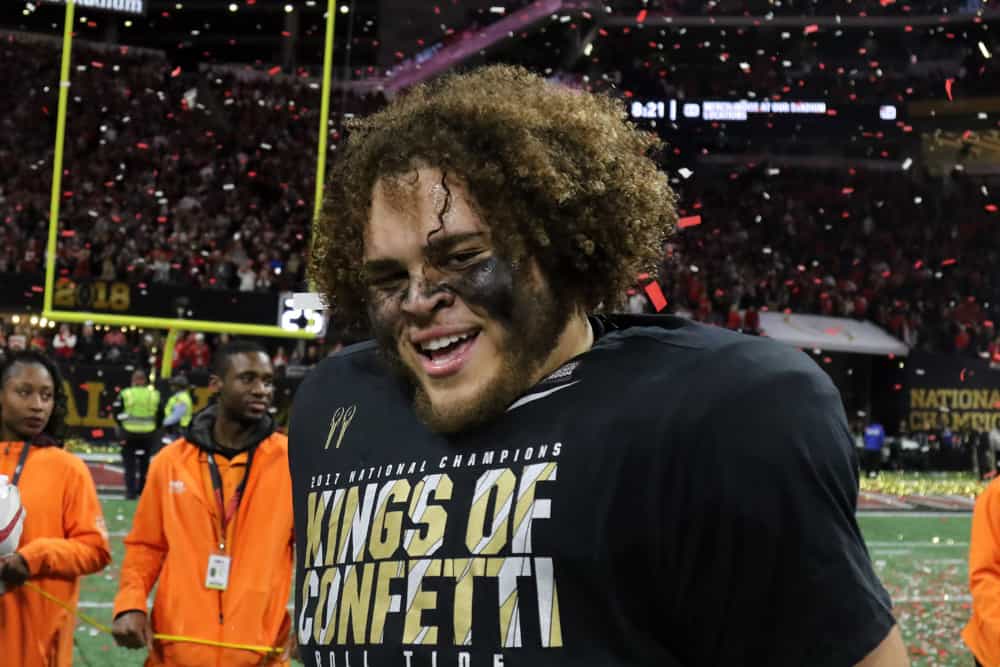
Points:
[(656, 296), (689, 221)]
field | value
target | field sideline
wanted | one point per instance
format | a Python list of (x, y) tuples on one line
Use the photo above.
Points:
[(921, 558)]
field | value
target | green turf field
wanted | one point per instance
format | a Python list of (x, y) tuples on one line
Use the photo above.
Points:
[(921, 559)]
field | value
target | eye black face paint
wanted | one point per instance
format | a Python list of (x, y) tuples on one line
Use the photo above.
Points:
[(488, 285)]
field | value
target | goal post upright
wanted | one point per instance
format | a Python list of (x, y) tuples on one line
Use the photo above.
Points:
[(79, 317), (57, 158), (324, 116)]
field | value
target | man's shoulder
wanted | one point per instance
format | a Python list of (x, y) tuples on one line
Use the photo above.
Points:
[(353, 364), (671, 348), (177, 450), (276, 443)]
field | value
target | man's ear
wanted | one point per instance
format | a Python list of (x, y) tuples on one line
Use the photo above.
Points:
[(215, 383)]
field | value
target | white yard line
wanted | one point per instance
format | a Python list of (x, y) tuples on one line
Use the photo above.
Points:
[(955, 599), (878, 514), (90, 604), (915, 545)]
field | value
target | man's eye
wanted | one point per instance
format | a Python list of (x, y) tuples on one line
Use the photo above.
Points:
[(387, 283), (459, 259)]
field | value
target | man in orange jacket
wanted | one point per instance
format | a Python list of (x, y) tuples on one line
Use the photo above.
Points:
[(982, 633), (64, 534), (214, 527)]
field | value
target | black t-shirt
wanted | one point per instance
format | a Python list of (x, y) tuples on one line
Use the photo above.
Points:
[(678, 495)]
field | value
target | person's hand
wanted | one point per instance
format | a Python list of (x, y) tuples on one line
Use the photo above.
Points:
[(13, 570), (291, 646), (131, 630)]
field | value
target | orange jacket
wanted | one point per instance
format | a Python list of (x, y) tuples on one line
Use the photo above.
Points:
[(982, 633), (176, 528), (64, 538)]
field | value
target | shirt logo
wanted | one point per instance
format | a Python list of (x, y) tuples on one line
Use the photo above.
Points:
[(339, 424), (177, 486)]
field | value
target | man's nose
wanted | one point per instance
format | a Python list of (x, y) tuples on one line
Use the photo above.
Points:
[(425, 297)]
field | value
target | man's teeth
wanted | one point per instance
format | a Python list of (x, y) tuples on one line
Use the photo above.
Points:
[(440, 343)]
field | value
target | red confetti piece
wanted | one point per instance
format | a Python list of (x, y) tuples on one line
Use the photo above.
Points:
[(175, 72), (641, 16), (96, 64), (655, 295), (97, 433), (846, 191), (689, 221), (274, 70), (38, 289), (961, 376), (992, 208), (811, 28), (832, 331), (949, 262), (142, 146), (947, 87)]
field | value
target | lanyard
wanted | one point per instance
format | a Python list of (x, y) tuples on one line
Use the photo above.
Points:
[(19, 468), (228, 511)]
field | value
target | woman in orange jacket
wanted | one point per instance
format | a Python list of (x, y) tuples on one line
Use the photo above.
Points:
[(64, 534)]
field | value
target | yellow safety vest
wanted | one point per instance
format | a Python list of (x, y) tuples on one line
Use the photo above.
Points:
[(140, 404), (181, 397)]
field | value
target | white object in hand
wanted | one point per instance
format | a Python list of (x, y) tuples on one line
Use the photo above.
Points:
[(11, 519)]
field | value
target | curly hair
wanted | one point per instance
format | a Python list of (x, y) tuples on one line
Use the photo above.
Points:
[(56, 426), (558, 175)]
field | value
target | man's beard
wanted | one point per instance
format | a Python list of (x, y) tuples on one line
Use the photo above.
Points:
[(540, 319)]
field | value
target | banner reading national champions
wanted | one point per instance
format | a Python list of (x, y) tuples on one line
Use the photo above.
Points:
[(950, 391)]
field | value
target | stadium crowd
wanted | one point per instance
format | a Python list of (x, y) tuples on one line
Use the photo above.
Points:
[(915, 254), (203, 180), (172, 177)]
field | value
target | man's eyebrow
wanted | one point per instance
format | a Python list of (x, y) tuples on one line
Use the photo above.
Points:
[(378, 266), (435, 246), (439, 243)]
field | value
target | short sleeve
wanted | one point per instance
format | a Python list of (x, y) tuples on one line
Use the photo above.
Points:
[(786, 576)]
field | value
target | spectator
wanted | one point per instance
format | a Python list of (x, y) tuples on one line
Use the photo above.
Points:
[(88, 346), (38, 341), (64, 343), (247, 276)]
